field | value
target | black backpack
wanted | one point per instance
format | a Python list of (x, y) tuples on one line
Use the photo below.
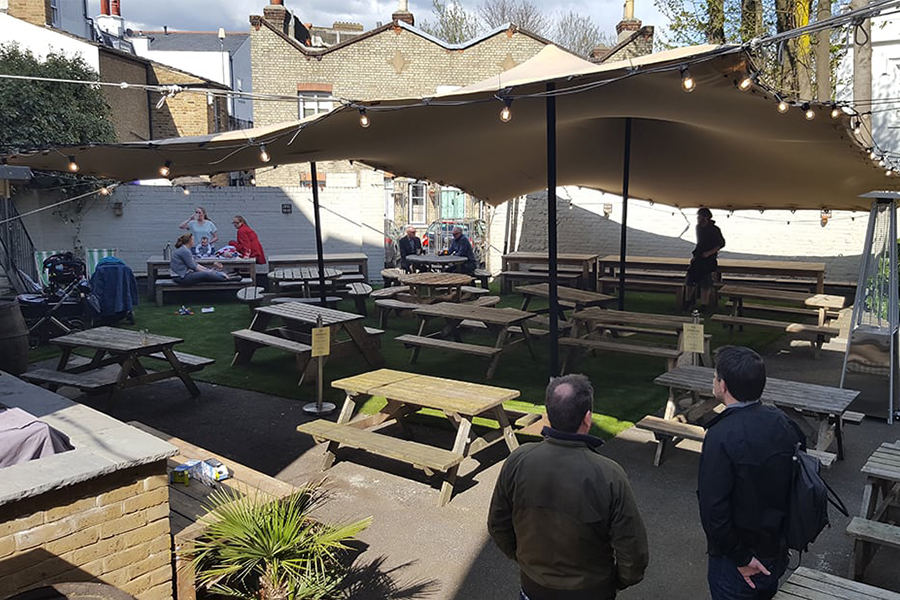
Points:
[(808, 504)]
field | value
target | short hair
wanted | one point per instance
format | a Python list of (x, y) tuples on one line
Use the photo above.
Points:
[(568, 399), (204, 238), (704, 212), (457, 228), (183, 239), (743, 371), (410, 228)]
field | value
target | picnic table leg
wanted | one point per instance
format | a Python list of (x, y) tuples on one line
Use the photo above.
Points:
[(364, 342), (124, 374), (670, 405), (459, 447), (181, 372), (506, 427), (527, 335), (820, 283), (495, 360), (344, 417), (526, 302)]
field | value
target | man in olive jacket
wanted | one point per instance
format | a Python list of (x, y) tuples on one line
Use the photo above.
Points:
[(565, 513)]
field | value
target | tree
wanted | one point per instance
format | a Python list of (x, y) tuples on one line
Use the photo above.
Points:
[(36, 114), (579, 34), (452, 22), (518, 12)]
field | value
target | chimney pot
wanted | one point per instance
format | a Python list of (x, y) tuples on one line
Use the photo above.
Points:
[(115, 8), (277, 2), (104, 7)]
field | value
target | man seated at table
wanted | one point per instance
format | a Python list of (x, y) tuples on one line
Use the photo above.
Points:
[(410, 244), (461, 246)]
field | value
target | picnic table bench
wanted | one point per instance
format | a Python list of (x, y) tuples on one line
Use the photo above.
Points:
[(820, 306), (819, 408), (358, 261), (570, 297), (157, 265), (512, 263), (816, 334), (187, 503), (880, 510), (167, 286), (406, 393), (807, 584)]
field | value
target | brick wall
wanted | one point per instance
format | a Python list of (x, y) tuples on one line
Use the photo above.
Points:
[(640, 45), (130, 109), (113, 529), (185, 114), (36, 12)]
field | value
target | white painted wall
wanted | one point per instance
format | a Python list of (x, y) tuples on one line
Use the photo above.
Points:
[(42, 40), (351, 219), (660, 230)]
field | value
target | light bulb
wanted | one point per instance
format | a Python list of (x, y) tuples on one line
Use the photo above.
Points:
[(166, 168), (73, 166), (687, 82), (363, 118), (835, 112), (872, 154), (185, 191), (783, 107), (253, 181), (263, 155), (745, 83), (809, 113), (104, 191), (505, 114), (888, 173), (881, 163)]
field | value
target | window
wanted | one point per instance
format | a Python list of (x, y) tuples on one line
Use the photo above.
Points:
[(417, 203), (314, 103), (54, 13)]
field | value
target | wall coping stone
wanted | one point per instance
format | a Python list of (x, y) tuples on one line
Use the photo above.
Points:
[(102, 444)]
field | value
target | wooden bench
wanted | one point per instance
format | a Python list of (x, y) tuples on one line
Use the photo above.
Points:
[(817, 334), (392, 276), (474, 291), (330, 301), (386, 305), (788, 310), (482, 275), (252, 295), (359, 292), (353, 278), (247, 341), (388, 292), (806, 584), (484, 301), (188, 503), (417, 342), (508, 277), (165, 286), (421, 456), (609, 285), (670, 354), (868, 536)]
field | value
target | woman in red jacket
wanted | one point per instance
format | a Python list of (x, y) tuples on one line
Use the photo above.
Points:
[(247, 241)]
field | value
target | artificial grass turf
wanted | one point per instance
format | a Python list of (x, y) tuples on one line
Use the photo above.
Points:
[(623, 383)]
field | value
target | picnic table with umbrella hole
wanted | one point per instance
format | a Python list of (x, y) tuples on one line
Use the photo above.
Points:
[(423, 285), (407, 393), (282, 279), (246, 266), (436, 262), (357, 260), (116, 361), (295, 335)]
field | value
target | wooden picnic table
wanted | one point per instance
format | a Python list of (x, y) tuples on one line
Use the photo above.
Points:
[(436, 262), (122, 347), (806, 584), (587, 262), (421, 285), (349, 259), (820, 407), (303, 275), (876, 525), (820, 303), (497, 321), (406, 394), (609, 266), (579, 299), (156, 264), (299, 319)]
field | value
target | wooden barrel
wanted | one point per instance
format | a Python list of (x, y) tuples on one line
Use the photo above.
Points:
[(13, 339)]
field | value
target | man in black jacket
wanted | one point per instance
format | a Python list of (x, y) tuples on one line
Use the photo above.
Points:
[(704, 261), (746, 469), (410, 244)]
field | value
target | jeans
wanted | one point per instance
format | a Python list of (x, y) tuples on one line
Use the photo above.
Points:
[(201, 277), (726, 582)]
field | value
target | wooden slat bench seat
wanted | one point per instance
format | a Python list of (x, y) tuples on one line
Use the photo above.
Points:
[(508, 277), (608, 285), (474, 291), (353, 278), (386, 305), (788, 310), (420, 456), (165, 286), (868, 536), (264, 339), (191, 362), (806, 584), (389, 292), (359, 292), (486, 301), (482, 275), (391, 276), (417, 342), (670, 354), (816, 334), (252, 295), (91, 381), (330, 301)]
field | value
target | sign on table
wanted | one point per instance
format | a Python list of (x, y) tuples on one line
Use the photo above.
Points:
[(321, 341), (693, 337)]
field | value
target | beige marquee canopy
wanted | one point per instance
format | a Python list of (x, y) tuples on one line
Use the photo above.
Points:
[(716, 146)]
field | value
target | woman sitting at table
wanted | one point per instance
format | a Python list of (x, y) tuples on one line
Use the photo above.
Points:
[(247, 243), (186, 271)]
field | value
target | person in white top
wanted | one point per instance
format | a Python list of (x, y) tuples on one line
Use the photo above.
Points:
[(200, 226)]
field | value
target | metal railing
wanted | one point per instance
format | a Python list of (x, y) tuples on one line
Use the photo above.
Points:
[(18, 248)]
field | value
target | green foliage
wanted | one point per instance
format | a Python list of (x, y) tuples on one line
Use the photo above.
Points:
[(256, 548), (35, 114)]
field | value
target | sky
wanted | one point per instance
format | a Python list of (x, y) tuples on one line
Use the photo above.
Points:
[(209, 15)]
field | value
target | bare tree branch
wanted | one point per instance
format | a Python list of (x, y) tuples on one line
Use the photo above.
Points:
[(518, 12), (453, 23)]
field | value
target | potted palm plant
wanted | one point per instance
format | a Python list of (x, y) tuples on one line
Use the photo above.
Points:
[(263, 549)]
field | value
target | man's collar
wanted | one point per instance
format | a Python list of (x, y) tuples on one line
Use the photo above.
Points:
[(728, 411), (591, 441)]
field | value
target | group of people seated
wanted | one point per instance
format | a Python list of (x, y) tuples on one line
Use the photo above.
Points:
[(183, 265), (460, 246)]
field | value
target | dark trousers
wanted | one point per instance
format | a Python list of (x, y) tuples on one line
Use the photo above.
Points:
[(727, 583), (201, 277)]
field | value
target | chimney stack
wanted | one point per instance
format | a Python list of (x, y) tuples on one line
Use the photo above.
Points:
[(104, 7), (110, 19), (115, 8), (628, 25), (276, 14), (403, 13)]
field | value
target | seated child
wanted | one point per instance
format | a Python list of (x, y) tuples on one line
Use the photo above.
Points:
[(204, 249)]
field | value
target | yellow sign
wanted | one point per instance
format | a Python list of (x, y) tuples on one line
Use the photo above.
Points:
[(693, 337), (321, 341)]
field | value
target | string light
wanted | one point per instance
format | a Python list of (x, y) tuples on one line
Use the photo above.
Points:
[(73, 166), (855, 125), (363, 119), (881, 162), (809, 113), (506, 111), (888, 173), (166, 168), (104, 191), (253, 181), (745, 83), (263, 155), (185, 191), (835, 112), (872, 154), (783, 106), (687, 82)]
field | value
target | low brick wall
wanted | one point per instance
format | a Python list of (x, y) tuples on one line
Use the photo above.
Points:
[(113, 529)]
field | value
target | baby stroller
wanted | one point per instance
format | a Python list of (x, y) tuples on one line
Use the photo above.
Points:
[(62, 306)]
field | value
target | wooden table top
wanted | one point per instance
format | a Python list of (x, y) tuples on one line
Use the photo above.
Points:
[(724, 263), (820, 399), (435, 279), (624, 317), (543, 257), (487, 315), (564, 293), (350, 256), (884, 462), (436, 259), (814, 300), (460, 397), (302, 274), (158, 261), (806, 583), (116, 340), (308, 313)]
